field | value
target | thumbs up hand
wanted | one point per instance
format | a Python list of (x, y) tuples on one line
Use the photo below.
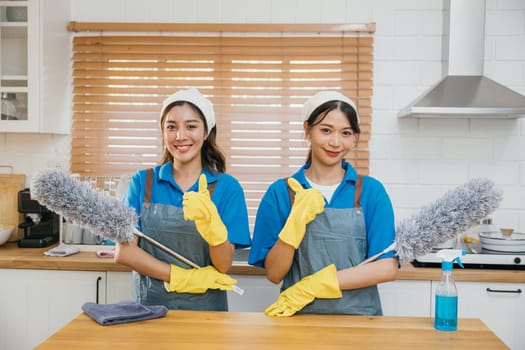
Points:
[(307, 205), (197, 206)]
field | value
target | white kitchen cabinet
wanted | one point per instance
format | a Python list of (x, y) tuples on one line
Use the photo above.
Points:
[(36, 303), (259, 293), (34, 66), (501, 306), (405, 298), (118, 286), (398, 298)]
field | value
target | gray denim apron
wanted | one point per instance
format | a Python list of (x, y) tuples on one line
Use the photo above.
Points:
[(166, 224), (336, 236)]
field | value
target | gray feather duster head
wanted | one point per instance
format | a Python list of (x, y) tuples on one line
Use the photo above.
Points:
[(456, 211), (76, 201)]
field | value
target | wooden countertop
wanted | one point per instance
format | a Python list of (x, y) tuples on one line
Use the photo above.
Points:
[(12, 257), (242, 330)]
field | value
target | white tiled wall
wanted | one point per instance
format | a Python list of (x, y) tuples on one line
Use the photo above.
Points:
[(417, 160)]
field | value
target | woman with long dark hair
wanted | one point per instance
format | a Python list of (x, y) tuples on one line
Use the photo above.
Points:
[(313, 229), (189, 204)]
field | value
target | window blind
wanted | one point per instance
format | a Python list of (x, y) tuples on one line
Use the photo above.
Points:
[(256, 81)]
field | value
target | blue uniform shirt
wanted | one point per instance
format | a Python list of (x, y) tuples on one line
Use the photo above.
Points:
[(275, 207), (228, 197)]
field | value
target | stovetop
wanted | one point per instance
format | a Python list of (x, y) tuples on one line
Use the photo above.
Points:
[(484, 260)]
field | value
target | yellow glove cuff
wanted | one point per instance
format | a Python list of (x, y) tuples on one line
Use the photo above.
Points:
[(293, 232), (179, 279), (197, 280), (327, 278), (217, 232), (322, 284)]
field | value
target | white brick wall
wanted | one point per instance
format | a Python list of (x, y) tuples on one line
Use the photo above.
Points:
[(417, 160)]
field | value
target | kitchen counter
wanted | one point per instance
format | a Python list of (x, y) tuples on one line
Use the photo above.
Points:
[(240, 330), (12, 257)]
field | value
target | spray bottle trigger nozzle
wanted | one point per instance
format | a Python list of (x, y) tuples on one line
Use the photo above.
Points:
[(458, 260)]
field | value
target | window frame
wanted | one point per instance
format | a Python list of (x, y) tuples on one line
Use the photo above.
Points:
[(103, 48)]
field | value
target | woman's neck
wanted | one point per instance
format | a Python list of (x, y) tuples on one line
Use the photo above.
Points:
[(325, 176), (185, 176)]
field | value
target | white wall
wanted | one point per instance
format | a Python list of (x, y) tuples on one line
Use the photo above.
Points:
[(417, 160)]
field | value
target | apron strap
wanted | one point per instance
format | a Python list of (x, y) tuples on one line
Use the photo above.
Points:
[(149, 186), (211, 187), (291, 193), (357, 193)]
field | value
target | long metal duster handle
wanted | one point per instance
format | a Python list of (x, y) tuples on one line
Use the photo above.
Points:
[(166, 249), (374, 257), (185, 260)]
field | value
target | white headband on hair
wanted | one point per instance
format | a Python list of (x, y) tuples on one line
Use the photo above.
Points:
[(322, 97), (195, 97)]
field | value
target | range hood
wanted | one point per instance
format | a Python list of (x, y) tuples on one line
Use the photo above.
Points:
[(463, 91)]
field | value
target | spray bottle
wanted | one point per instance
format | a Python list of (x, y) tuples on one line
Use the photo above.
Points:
[(446, 305)]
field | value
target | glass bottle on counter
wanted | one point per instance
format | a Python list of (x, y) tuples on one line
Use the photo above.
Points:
[(446, 299)]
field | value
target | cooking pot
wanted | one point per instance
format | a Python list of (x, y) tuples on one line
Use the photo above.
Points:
[(496, 241)]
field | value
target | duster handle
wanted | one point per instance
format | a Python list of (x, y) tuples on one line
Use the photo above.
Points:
[(173, 253), (374, 257)]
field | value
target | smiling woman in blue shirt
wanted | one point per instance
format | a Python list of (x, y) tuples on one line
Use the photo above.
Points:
[(189, 204), (313, 229)]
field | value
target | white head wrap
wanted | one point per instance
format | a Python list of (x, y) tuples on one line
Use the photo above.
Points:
[(195, 97), (324, 96)]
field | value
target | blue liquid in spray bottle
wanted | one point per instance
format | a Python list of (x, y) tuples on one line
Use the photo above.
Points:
[(446, 303)]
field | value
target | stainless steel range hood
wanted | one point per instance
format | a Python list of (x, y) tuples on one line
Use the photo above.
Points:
[(464, 91)]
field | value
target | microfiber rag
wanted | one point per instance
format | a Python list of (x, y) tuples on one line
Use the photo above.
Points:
[(123, 312), (62, 250)]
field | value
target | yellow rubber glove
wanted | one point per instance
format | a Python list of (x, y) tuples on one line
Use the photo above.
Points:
[(307, 204), (322, 284), (197, 206), (197, 281)]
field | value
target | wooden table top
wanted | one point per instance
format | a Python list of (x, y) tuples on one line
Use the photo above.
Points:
[(248, 330)]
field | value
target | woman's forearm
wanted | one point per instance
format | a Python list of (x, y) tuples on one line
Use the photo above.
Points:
[(136, 258), (222, 256), (278, 261), (366, 275)]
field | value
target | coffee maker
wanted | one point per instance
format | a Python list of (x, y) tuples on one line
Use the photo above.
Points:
[(41, 226)]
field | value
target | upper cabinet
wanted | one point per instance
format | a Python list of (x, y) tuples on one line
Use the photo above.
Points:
[(35, 83)]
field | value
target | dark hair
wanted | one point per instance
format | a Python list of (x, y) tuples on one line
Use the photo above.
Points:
[(212, 158), (322, 111)]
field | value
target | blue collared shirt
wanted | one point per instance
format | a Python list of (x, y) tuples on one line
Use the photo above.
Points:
[(228, 197), (275, 207)]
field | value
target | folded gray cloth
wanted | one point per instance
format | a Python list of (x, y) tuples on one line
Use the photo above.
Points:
[(123, 312)]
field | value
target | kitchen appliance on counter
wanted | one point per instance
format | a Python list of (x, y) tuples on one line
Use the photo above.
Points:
[(484, 260), (41, 226), (10, 185), (487, 247)]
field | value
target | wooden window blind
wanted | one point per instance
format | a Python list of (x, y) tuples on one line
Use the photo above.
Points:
[(256, 81)]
